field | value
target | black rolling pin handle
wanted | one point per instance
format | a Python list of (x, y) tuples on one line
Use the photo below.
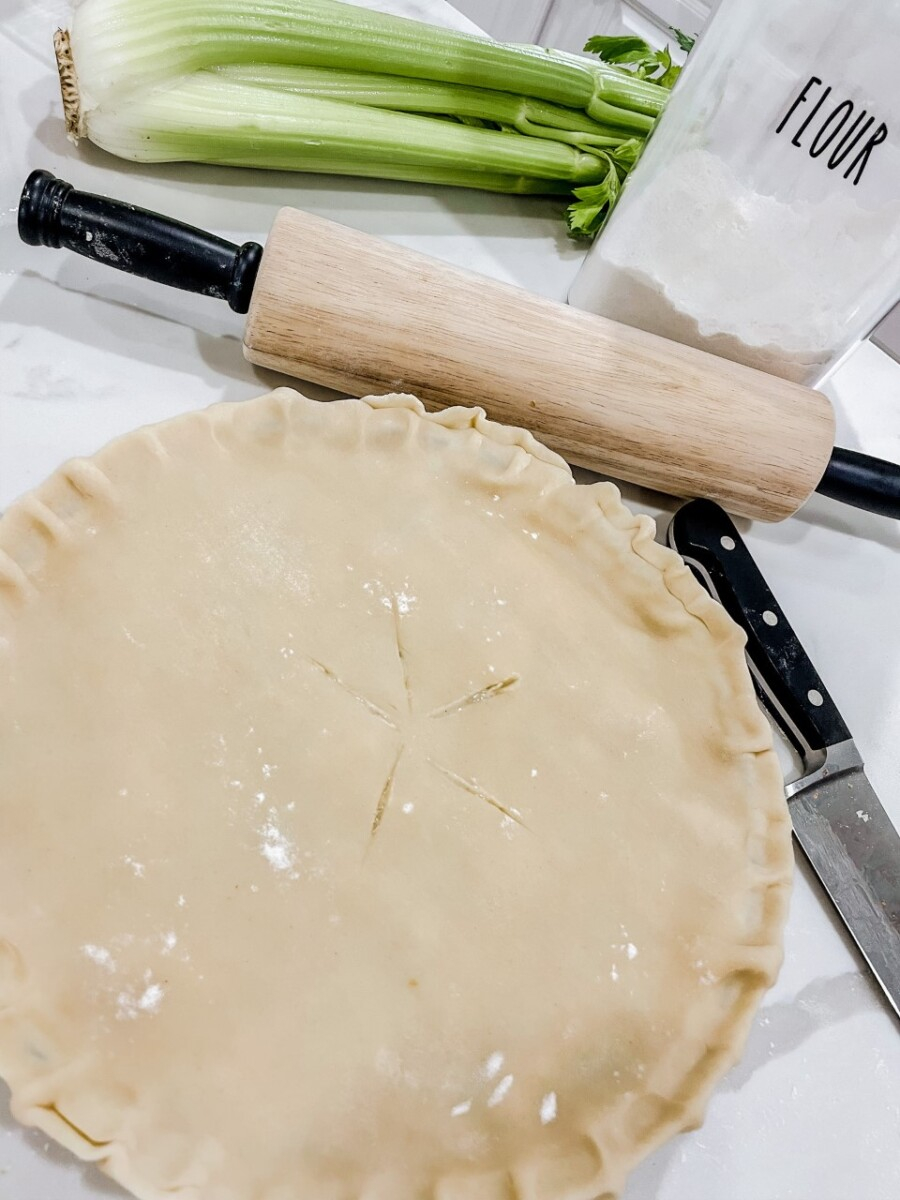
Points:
[(704, 534), (53, 213), (863, 481)]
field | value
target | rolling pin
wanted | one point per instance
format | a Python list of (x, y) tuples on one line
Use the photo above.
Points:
[(358, 314)]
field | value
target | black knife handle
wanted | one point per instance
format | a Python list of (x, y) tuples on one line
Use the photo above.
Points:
[(53, 213), (863, 481), (704, 534)]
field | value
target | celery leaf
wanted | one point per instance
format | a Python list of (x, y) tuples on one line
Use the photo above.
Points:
[(684, 40), (634, 55), (619, 49), (590, 210)]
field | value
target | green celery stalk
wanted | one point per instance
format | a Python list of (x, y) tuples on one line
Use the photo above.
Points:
[(539, 118), (208, 117), (123, 45), (616, 86)]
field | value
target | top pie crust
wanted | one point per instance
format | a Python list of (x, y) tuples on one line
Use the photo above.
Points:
[(382, 815)]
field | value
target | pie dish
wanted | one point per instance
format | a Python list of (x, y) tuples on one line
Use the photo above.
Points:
[(384, 816)]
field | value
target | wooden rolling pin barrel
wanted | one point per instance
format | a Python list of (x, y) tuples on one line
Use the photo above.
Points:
[(353, 312)]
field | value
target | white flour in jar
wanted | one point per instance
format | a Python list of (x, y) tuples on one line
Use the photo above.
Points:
[(771, 289)]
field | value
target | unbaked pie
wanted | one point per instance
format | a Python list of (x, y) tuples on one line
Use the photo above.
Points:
[(383, 816)]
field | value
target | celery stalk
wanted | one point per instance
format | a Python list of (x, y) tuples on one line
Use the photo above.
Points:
[(208, 117), (538, 118), (122, 46), (128, 44), (616, 86)]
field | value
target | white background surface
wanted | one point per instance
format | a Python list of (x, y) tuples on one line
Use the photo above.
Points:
[(813, 1110), (567, 24)]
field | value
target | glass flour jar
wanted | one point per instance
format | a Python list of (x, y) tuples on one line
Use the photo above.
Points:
[(762, 222)]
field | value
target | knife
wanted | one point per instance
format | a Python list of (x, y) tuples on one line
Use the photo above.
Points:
[(837, 818), (336, 307)]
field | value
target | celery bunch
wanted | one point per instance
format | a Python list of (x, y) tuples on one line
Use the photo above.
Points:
[(318, 85)]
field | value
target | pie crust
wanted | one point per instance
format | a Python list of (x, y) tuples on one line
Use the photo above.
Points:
[(383, 816)]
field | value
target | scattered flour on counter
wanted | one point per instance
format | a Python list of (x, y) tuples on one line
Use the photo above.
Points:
[(772, 285)]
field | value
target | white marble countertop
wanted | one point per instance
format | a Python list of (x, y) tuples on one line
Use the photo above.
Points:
[(813, 1110)]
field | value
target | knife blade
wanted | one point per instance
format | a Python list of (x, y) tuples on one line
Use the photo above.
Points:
[(837, 818)]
